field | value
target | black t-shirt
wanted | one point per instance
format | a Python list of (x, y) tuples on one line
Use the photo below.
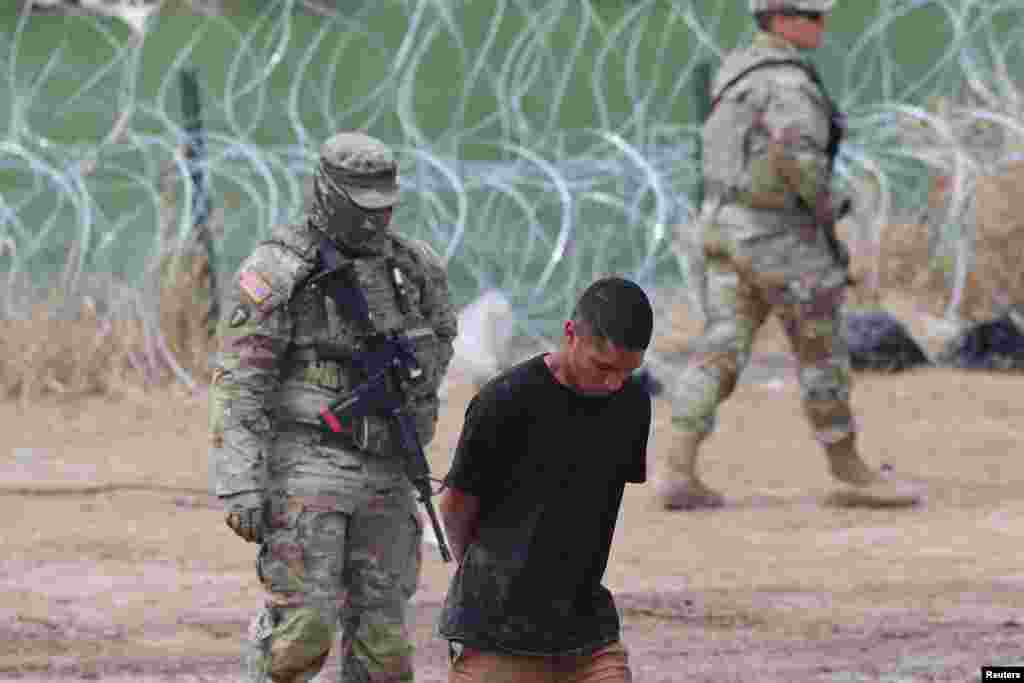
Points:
[(549, 467)]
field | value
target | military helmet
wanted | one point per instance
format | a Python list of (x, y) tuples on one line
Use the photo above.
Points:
[(363, 167), (758, 6)]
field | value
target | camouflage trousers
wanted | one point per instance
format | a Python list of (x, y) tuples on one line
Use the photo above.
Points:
[(342, 551), (736, 305)]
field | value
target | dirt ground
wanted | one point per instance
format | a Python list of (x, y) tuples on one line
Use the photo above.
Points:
[(116, 564)]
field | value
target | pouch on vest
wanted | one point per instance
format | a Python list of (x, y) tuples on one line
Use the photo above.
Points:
[(374, 278)]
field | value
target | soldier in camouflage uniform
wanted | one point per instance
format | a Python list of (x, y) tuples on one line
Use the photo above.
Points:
[(334, 514), (769, 144)]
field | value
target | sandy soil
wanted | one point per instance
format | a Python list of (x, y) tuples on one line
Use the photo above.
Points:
[(116, 564)]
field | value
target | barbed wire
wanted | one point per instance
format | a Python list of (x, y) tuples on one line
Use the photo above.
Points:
[(534, 157)]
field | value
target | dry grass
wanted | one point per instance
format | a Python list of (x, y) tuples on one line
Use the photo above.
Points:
[(186, 313), (1000, 245), (112, 340), (46, 354), (996, 278), (93, 351)]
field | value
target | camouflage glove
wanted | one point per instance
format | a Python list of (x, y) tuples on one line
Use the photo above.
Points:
[(244, 514)]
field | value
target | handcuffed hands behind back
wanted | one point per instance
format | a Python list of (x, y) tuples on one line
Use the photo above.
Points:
[(244, 515)]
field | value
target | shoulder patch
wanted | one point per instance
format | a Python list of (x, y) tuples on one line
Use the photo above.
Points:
[(255, 286), (267, 279)]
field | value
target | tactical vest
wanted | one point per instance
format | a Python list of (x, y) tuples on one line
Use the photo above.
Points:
[(837, 123), (331, 330), (726, 132)]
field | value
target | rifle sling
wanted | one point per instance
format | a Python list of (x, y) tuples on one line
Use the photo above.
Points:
[(835, 129)]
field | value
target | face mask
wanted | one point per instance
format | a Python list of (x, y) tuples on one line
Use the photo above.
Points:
[(349, 225)]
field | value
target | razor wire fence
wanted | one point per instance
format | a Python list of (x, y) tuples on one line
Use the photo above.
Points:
[(542, 143)]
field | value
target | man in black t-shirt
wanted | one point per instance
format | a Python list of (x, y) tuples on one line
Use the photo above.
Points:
[(533, 497)]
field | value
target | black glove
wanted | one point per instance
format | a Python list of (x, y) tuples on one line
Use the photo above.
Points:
[(244, 515)]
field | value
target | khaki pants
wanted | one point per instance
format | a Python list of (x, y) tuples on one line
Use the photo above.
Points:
[(610, 664)]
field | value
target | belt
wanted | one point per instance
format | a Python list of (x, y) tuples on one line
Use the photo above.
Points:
[(302, 404), (316, 354)]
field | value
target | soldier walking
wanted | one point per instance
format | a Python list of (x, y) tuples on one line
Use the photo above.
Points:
[(334, 513), (768, 245)]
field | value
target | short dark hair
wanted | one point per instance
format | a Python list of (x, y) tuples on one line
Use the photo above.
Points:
[(618, 311)]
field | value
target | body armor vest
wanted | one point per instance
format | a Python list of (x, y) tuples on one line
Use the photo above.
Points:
[(338, 313), (726, 133)]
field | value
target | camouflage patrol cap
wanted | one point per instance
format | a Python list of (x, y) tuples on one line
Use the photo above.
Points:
[(758, 6), (362, 166)]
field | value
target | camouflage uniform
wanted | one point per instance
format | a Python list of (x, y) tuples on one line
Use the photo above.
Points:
[(336, 517), (767, 171)]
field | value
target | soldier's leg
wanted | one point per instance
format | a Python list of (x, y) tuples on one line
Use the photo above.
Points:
[(382, 572), (735, 311), (300, 566), (814, 332)]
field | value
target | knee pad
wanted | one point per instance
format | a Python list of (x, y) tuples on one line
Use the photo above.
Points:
[(376, 649), (298, 643)]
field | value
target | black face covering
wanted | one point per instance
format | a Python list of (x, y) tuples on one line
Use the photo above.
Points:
[(352, 227)]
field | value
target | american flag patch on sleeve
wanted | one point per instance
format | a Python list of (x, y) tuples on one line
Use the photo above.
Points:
[(255, 287)]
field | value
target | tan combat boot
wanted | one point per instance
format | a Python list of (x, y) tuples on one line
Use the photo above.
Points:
[(677, 485), (862, 486)]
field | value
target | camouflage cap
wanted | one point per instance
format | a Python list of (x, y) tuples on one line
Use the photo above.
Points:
[(362, 166), (757, 6)]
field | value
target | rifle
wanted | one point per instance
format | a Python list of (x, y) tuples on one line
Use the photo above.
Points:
[(391, 366), (839, 251)]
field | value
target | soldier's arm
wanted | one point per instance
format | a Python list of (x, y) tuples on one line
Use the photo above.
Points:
[(436, 301), (788, 146), (253, 334)]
